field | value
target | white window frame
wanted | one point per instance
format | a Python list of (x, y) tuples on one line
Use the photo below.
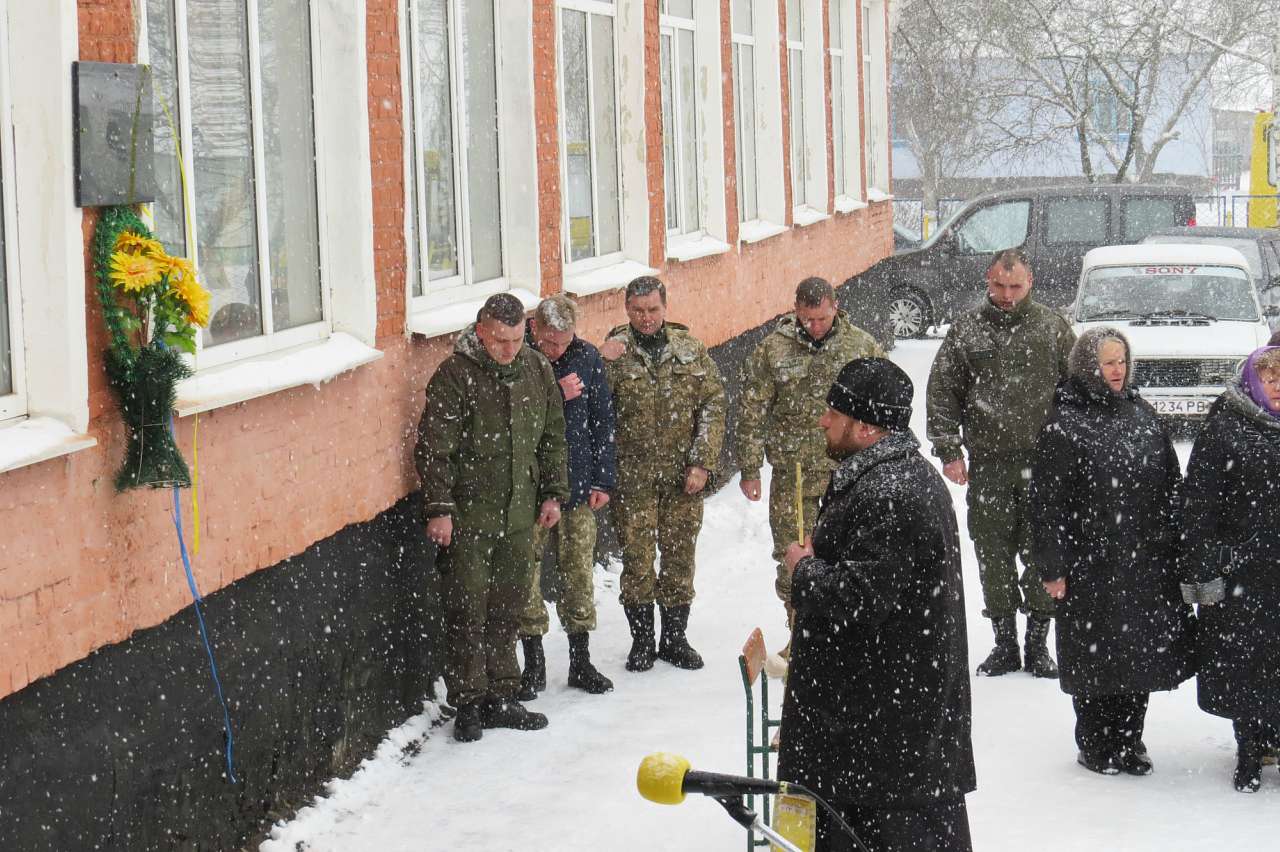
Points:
[(813, 154), (770, 164), (669, 26), (850, 108), (875, 93), (13, 404)]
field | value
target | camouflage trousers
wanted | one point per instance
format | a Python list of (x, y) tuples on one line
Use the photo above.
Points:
[(484, 586), (574, 542), (997, 501), (654, 516), (782, 514)]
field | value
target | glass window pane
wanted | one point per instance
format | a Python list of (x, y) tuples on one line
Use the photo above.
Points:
[(413, 248), (688, 132), (1076, 220), (167, 209), (745, 124), (795, 26), (6, 345), (1143, 216), (994, 228), (743, 21), (288, 133), (435, 136), (605, 133), (480, 91), (836, 24), (577, 136), (795, 67), (680, 8), (668, 134), (218, 51), (837, 120)]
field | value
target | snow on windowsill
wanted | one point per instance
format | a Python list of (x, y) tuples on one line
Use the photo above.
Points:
[(612, 277), (312, 364), (757, 230), (804, 216), (448, 318), (688, 247), (874, 194), (849, 204), (38, 439)]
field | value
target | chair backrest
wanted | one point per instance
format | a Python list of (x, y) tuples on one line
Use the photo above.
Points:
[(753, 656)]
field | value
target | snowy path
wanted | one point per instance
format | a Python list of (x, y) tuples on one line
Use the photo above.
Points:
[(572, 787)]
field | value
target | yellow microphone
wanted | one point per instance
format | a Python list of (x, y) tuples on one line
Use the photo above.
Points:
[(666, 779)]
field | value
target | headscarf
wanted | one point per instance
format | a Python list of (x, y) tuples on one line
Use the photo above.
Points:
[(1252, 382)]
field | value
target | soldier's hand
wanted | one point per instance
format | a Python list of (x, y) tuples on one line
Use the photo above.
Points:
[(549, 514), (957, 471), (571, 387), (695, 479), (440, 530), (750, 489), (613, 349), (597, 499), (797, 551), (1057, 589)]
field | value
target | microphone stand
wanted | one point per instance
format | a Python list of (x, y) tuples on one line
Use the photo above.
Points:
[(750, 820)]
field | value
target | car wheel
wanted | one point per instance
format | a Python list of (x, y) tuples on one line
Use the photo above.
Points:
[(908, 314)]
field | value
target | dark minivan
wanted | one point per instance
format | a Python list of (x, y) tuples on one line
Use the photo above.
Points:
[(1055, 225)]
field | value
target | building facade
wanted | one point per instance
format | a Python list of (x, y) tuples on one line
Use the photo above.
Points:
[(352, 179)]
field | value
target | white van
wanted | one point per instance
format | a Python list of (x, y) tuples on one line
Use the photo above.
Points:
[(1191, 313)]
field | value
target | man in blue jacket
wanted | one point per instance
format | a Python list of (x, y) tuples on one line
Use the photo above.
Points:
[(588, 411)]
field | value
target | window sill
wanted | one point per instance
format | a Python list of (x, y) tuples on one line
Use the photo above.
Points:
[(312, 364), (38, 439), (848, 204), (874, 194), (804, 216), (757, 230), (446, 319), (688, 247), (612, 277)]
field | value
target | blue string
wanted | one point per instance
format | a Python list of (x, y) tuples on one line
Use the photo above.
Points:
[(197, 599)]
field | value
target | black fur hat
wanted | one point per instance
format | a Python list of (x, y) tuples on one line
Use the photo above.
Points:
[(875, 391)]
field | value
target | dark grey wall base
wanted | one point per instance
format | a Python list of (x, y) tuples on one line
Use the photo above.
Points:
[(319, 656)]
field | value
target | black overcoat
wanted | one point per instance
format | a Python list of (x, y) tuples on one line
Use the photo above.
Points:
[(1232, 547), (877, 711), (1102, 506)]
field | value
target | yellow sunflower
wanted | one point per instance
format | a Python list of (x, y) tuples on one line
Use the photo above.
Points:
[(178, 269), (137, 244), (133, 272), (198, 305)]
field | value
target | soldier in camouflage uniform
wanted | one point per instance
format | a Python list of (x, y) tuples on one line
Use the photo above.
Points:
[(784, 392), (491, 456), (669, 401), (991, 391)]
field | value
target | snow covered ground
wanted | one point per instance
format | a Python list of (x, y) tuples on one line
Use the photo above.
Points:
[(572, 786)]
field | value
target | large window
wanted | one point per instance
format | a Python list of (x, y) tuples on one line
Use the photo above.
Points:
[(875, 94), (589, 130), (12, 375), (455, 212), (844, 98), (680, 117), (796, 89), (233, 81), (744, 107)]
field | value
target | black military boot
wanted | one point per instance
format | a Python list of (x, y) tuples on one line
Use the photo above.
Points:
[(674, 648), (1035, 652), (583, 675), (534, 678), (509, 713), (1005, 657), (643, 652), (1103, 764), (467, 728), (1248, 777)]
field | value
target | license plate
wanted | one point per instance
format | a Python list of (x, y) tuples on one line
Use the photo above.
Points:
[(1193, 407)]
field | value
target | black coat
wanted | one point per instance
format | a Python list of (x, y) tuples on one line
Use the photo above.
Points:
[(1102, 507), (1231, 545), (877, 709), (588, 423)]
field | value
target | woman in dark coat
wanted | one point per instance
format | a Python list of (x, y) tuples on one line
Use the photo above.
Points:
[(1231, 558), (1104, 488)]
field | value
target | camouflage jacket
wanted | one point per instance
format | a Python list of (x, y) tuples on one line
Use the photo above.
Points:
[(784, 392), (991, 385), (491, 442), (670, 414)]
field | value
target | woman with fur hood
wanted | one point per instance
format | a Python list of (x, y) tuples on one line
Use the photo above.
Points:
[(1103, 511), (1231, 558)]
